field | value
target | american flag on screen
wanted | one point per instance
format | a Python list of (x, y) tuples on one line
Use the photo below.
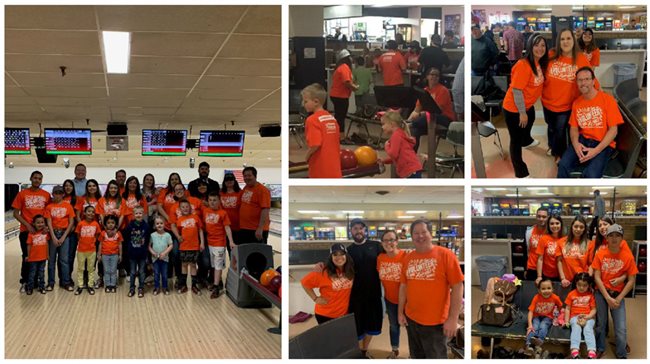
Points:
[(239, 175)]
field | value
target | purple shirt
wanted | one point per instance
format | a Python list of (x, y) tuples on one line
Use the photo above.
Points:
[(515, 42)]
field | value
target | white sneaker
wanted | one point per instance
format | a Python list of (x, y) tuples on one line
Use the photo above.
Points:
[(549, 152), (22, 288), (533, 144)]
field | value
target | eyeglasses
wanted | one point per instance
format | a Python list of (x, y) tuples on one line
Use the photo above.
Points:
[(389, 241)]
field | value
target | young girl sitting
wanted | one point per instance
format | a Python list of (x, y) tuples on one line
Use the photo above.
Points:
[(400, 146), (580, 313), (540, 315)]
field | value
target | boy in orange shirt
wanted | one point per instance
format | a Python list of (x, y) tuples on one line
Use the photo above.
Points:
[(60, 220), (88, 231), (217, 228), (189, 232), (322, 133), (540, 315), (37, 255), (610, 264), (391, 64), (594, 120)]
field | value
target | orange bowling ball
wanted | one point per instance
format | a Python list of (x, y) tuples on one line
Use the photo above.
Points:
[(266, 277), (366, 156)]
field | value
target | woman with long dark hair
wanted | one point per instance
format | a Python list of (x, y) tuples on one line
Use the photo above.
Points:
[(150, 194), (231, 201), (549, 249), (573, 259), (342, 87), (518, 105), (589, 47)]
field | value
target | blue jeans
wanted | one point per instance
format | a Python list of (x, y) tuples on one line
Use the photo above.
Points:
[(159, 272), (594, 168), (577, 331), (73, 250), (34, 278), (557, 130), (541, 324), (59, 256), (174, 265), (110, 269), (391, 310), (420, 127), (137, 266), (620, 328), (417, 174)]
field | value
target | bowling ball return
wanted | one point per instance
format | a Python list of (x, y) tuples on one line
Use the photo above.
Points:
[(299, 170), (268, 295)]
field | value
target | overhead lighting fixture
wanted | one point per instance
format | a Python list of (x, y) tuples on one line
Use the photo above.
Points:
[(454, 216), (352, 212), (416, 212), (544, 9), (602, 193), (356, 216), (602, 188), (512, 195), (495, 189), (406, 217), (320, 218), (308, 211), (627, 7), (117, 51), (536, 188), (545, 194)]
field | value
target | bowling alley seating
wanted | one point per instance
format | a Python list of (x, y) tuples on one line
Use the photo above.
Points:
[(297, 116), (517, 331), (627, 95), (335, 339), (487, 128), (456, 137)]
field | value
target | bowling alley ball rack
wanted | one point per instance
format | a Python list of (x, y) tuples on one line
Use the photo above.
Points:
[(268, 295)]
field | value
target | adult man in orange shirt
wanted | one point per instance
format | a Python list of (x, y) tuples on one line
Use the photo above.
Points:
[(594, 120), (27, 204), (254, 211), (430, 294), (533, 235), (391, 64)]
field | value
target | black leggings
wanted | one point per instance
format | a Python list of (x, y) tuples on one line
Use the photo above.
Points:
[(519, 138), (341, 106), (322, 319)]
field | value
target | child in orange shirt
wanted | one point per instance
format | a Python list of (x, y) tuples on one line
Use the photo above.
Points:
[(110, 252), (399, 147), (540, 315), (334, 284), (389, 266), (88, 231), (580, 315), (217, 228), (189, 232), (37, 255), (322, 133)]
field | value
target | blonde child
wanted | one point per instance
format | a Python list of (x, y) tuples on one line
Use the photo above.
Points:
[(88, 231), (217, 228), (189, 232), (37, 255), (580, 315), (540, 315), (110, 252), (160, 246), (400, 146), (322, 134)]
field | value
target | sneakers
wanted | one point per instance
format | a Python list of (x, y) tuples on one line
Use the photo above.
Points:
[(393, 355), (91, 291), (99, 284), (22, 288), (575, 354), (533, 144), (592, 355), (131, 292), (78, 291), (69, 287), (549, 152), (537, 342), (140, 292), (41, 290), (196, 290), (182, 289), (50, 288), (29, 291), (166, 291), (156, 291), (529, 351), (107, 290)]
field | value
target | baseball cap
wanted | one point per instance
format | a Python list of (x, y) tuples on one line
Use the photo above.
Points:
[(58, 189), (342, 54), (615, 228), (357, 221), (338, 247)]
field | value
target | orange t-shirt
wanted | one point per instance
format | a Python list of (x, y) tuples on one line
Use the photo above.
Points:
[(390, 274), (88, 233), (440, 94), (593, 57), (428, 275), (581, 303), (342, 74), (231, 202), (109, 207), (335, 290), (166, 200), (535, 235), (591, 255), (215, 222), (613, 266), (31, 203), (38, 241), (82, 202), (593, 117), (560, 86), (391, 65), (550, 248), (573, 262), (60, 213), (188, 226), (110, 245), (541, 306), (524, 79), (195, 209), (322, 130), (253, 200), (130, 203)]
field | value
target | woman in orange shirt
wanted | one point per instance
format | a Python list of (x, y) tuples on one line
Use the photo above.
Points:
[(549, 249), (574, 252), (389, 266), (527, 80), (231, 201), (589, 48), (334, 284), (70, 196), (150, 194), (561, 89), (132, 197), (342, 87)]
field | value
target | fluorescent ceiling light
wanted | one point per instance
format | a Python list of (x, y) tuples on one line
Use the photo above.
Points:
[(416, 212), (536, 188), (602, 193), (405, 217), (544, 9), (627, 7), (117, 51), (320, 218), (352, 212), (495, 188), (308, 211), (512, 195), (454, 216), (545, 194), (356, 217), (602, 188)]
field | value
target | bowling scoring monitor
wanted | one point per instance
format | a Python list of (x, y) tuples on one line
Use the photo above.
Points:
[(68, 141), (164, 142), (17, 141), (221, 143)]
